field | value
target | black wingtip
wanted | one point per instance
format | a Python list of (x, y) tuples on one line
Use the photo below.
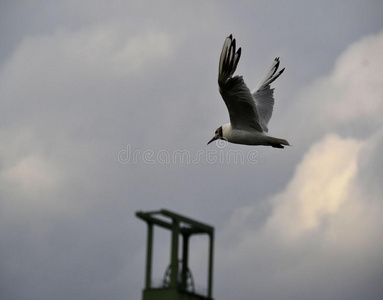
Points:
[(276, 65), (229, 59)]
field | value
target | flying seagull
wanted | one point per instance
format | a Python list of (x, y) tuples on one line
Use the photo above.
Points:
[(249, 112)]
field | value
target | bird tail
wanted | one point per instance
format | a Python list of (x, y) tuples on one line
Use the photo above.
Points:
[(277, 143)]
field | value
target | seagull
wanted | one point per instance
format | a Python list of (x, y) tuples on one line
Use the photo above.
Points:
[(249, 112)]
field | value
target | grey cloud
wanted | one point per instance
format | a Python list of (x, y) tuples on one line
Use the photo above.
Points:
[(73, 96)]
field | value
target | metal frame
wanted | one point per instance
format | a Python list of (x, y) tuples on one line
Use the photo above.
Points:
[(179, 225)]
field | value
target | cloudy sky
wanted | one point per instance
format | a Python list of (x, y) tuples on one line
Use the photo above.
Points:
[(106, 108)]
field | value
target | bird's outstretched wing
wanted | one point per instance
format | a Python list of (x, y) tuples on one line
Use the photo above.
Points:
[(237, 96), (263, 95)]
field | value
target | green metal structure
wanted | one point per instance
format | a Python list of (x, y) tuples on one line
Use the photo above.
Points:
[(178, 282)]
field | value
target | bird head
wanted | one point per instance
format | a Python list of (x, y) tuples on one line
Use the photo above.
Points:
[(217, 135)]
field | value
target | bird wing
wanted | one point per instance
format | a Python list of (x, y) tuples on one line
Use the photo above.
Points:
[(263, 95), (237, 96)]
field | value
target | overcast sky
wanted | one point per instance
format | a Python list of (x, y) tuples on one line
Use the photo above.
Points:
[(106, 108)]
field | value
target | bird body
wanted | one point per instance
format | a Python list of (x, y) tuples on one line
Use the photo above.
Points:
[(250, 137), (249, 111)]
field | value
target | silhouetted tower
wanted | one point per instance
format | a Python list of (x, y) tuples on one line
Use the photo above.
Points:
[(178, 282)]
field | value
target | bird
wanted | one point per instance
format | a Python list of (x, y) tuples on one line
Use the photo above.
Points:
[(249, 111)]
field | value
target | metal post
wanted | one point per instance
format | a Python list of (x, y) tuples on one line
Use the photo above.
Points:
[(174, 255), (149, 251), (185, 258), (210, 279)]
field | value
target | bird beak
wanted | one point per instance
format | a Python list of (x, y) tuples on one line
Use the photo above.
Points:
[(216, 137)]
